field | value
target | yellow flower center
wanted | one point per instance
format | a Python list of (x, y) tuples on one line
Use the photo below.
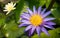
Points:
[(9, 8), (36, 20)]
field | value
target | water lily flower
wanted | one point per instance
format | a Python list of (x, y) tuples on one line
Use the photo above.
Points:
[(9, 7), (36, 21)]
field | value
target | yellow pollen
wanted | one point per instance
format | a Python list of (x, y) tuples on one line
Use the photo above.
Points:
[(36, 20), (9, 8)]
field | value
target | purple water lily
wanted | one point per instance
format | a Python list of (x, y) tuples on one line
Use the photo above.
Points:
[(37, 20)]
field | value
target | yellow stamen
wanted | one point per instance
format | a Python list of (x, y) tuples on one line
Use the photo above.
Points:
[(9, 8), (36, 20)]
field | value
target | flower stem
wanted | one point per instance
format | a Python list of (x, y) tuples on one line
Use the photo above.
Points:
[(51, 5)]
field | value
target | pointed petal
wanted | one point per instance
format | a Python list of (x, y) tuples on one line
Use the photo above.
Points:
[(39, 10), (43, 11), (25, 21), (34, 9), (4, 10), (32, 30), (49, 26), (48, 19), (23, 24), (14, 8), (29, 27), (7, 12), (30, 12), (24, 17), (29, 32), (44, 30), (38, 29), (14, 4), (25, 14), (11, 3), (50, 23), (46, 14)]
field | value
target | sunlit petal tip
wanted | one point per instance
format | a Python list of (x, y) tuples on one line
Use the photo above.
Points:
[(14, 4), (7, 13), (4, 10), (40, 7), (39, 10), (34, 9), (30, 11), (14, 8)]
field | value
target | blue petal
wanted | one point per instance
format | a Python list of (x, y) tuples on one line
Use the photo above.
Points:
[(49, 26), (38, 29), (29, 27), (46, 14), (23, 24), (43, 11), (24, 17), (30, 12), (34, 10), (29, 32), (39, 10), (32, 30), (25, 21), (45, 31), (50, 23), (25, 14), (48, 19)]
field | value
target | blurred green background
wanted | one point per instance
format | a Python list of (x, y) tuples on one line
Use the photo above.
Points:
[(9, 23)]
